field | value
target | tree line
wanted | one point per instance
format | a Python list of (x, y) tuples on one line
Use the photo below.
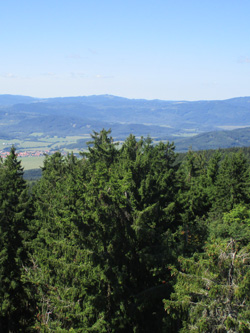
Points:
[(126, 239)]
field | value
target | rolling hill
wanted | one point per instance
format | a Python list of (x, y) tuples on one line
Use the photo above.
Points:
[(201, 124), (217, 139)]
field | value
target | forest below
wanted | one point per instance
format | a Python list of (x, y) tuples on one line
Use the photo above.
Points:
[(126, 239)]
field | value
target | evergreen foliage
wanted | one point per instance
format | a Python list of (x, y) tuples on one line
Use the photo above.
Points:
[(212, 289), (15, 212), (99, 242)]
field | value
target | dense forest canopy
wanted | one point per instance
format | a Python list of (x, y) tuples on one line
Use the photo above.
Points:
[(126, 239)]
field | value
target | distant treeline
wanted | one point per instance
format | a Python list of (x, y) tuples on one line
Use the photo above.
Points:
[(208, 153), (128, 239), (32, 174)]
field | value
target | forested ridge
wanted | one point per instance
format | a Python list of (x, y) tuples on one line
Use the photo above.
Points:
[(66, 123), (126, 239)]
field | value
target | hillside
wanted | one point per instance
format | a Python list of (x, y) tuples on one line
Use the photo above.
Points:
[(179, 121), (217, 139)]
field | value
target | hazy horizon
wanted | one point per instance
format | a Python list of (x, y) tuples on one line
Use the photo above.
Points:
[(148, 99)]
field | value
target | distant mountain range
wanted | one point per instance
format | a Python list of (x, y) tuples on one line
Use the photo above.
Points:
[(200, 124)]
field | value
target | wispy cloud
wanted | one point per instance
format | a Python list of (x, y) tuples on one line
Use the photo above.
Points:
[(52, 74), (92, 51), (77, 56), (99, 76), (74, 56), (8, 76), (77, 75), (244, 60)]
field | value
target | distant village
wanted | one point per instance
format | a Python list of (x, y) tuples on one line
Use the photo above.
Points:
[(30, 153)]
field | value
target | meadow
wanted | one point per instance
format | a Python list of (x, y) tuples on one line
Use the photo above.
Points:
[(32, 162), (39, 141), (41, 144)]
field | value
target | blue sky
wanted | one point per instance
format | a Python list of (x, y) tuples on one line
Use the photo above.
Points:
[(171, 50)]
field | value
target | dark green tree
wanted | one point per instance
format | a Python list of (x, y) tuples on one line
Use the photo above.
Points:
[(131, 218), (232, 183), (212, 293), (194, 198), (15, 212), (102, 148), (58, 263)]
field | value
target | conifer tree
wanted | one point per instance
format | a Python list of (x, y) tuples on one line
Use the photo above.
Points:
[(14, 214), (101, 148), (57, 264), (130, 221), (232, 183), (212, 289), (194, 199)]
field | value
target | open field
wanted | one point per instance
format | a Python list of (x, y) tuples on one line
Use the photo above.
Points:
[(31, 162), (37, 141)]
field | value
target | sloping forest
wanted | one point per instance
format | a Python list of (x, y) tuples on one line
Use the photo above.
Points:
[(126, 239)]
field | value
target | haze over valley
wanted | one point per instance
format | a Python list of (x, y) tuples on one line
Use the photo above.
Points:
[(66, 123)]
